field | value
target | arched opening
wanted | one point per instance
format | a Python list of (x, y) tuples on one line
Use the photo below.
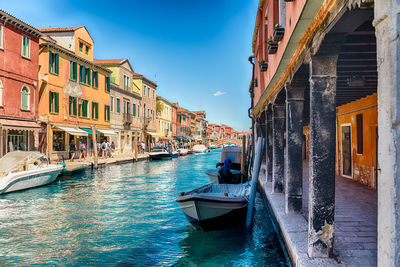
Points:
[(25, 98)]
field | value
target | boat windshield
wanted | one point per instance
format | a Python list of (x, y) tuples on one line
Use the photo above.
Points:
[(16, 161), (157, 149)]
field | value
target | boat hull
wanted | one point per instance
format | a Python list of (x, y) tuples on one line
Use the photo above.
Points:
[(74, 171), (29, 179), (209, 215), (160, 156)]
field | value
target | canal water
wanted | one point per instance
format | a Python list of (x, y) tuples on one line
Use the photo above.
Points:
[(126, 215)]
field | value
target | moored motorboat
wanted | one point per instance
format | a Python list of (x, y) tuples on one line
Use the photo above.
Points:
[(175, 154), (75, 169), (199, 149), (21, 170), (158, 153), (215, 206), (213, 175), (190, 152), (182, 152)]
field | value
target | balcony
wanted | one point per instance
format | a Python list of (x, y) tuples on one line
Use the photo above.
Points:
[(127, 118)]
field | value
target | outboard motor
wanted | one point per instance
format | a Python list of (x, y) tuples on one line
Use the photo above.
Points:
[(225, 176)]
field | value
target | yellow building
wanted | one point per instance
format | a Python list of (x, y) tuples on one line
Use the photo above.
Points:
[(74, 92), (164, 118)]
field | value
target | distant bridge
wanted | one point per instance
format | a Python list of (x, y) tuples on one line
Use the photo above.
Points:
[(228, 141)]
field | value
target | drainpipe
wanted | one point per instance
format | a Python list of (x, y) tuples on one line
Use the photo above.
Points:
[(251, 60)]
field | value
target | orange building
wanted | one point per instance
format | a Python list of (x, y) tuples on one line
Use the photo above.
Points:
[(74, 92)]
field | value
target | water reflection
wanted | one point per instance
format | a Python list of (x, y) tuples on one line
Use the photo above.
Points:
[(126, 215)]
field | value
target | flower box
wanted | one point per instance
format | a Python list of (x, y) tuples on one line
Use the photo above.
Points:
[(263, 66), (278, 34), (272, 48)]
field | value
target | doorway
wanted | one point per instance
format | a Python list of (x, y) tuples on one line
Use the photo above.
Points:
[(347, 164)]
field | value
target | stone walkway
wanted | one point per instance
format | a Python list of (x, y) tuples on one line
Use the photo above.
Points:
[(118, 158), (355, 224), (355, 221)]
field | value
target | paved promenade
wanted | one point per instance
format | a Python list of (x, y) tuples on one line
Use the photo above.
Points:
[(355, 225)]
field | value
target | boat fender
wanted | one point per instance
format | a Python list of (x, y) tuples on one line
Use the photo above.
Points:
[(226, 194), (182, 193)]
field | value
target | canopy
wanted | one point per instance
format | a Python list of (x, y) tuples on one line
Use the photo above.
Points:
[(89, 130), (107, 132), (184, 138), (19, 125), (154, 134), (213, 139), (72, 130)]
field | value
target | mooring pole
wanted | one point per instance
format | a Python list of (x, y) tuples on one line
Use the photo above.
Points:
[(94, 146), (136, 146), (243, 157)]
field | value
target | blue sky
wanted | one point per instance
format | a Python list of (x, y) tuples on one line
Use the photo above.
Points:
[(196, 51)]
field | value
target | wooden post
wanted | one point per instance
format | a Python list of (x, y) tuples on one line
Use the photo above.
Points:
[(48, 133), (136, 147), (243, 157), (1, 140), (94, 146)]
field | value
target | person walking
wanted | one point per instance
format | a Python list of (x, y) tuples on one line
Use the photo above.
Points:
[(72, 149), (82, 149)]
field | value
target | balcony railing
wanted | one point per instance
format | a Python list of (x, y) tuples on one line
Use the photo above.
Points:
[(127, 118)]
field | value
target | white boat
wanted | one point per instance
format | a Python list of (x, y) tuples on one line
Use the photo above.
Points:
[(25, 169), (215, 206), (182, 151), (199, 149), (158, 153), (232, 153)]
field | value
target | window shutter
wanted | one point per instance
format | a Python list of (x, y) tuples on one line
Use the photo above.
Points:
[(50, 61), (75, 71), (50, 100), (92, 110), (74, 106), (88, 76), (70, 106), (97, 80), (83, 74), (97, 110), (56, 64), (56, 102), (134, 110), (71, 70)]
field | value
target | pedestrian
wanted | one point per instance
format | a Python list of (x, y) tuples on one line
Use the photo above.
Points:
[(103, 149), (112, 146), (82, 149), (142, 147), (108, 149), (72, 149)]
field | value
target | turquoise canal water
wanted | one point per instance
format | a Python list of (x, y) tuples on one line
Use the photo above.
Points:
[(126, 215)]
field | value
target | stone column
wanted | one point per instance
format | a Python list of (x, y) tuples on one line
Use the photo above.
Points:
[(294, 145), (387, 28), (278, 122), (322, 155), (268, 143)]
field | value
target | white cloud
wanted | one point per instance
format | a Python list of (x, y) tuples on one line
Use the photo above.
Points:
[(218, 93)]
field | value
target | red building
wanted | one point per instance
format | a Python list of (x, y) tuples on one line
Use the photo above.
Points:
[(174, 120), (19, 95)]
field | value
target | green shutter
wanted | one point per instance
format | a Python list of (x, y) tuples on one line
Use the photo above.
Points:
[(108, 113), (87, 76), (74, 106), (85, 109), (97, 80), (75, 66), (97, 110), (71, 70), (56, 64), (134, 110), (50, 100), (56, 102), (50, 61), (70, 106)]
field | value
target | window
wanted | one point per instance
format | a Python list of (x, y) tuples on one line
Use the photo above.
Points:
[(126, 82), (1, 93), (53, 102), (95, 79), (118, 105), (72, 106), (80, 47), (87, 50), (58, 140), (83, 109), (82, 75), (148, 91), (107, 85), (1, 36), (154, 95), (25, 98), (87, 76), (128, 107), (26, 50), (144, 90), (112, 103), (53, 62), (106, 112), (360, 136), (73, 75), (95, 110), (134, 110)]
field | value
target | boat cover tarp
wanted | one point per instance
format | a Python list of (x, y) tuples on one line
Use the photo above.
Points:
[(16, 160), (233, 190)]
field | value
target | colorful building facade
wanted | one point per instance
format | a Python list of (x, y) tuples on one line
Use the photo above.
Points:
[(164, 118), (74, 92), (19, 94), (125, 102)]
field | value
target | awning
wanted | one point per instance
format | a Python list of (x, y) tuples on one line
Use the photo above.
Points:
[(213, 139), (154, 134), (89, 130), (184, 138), (19, 125), (72, 130), (107, 132)]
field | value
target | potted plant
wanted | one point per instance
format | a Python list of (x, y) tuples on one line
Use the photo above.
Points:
[(289, 0), (272, 46), (263, 65), (255, 82), (279, 31)]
